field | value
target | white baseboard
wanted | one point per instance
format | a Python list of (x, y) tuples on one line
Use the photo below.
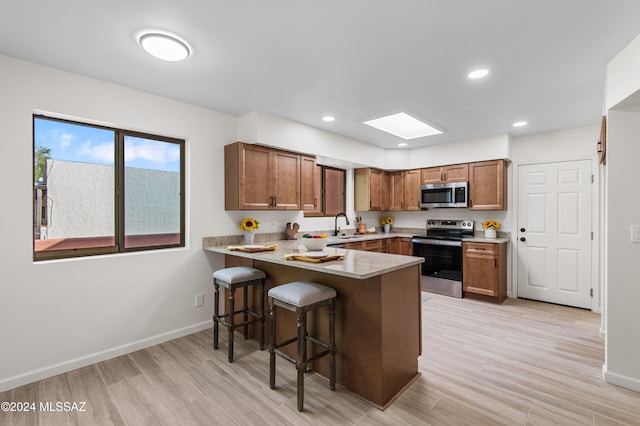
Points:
[(63, 367), (620, 380)]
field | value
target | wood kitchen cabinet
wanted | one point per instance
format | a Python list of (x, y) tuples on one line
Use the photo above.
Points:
[(412, 189), (450, 173), (396, 190), (404, 190), (309, 175), (367, 245), (406, 247), (487, 185), (401, 245), (260, 178), (371, 187), (484, 271)]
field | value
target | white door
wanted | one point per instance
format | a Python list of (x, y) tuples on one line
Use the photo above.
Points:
[(554, 232)]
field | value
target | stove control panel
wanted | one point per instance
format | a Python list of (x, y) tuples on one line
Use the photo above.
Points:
[(450, 224)]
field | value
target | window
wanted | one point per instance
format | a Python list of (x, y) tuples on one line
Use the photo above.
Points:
[(330, 190), (100, 190)]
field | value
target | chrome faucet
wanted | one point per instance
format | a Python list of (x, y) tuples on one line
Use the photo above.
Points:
[(336, 230)]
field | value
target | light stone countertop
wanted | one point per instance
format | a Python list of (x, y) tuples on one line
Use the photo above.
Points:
[(356, 264)]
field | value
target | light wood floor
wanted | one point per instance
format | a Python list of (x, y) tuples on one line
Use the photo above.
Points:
[(520, 363)]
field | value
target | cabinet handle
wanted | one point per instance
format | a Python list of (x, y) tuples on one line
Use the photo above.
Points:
[(495, 263), (274, 201), (315, 202)]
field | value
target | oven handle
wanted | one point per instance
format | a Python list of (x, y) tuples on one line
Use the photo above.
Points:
[(430, 242)]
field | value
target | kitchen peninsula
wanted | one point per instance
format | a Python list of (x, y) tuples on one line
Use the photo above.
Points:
[(378, 313)]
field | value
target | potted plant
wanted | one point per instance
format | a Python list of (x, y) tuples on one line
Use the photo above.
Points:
[(387, 221), (249, 225), (490, 228)]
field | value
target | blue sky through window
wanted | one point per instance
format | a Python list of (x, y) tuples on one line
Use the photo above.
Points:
[(86, 144)]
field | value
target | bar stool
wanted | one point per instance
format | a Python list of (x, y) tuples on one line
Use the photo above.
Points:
[(302, 297), (232, 279)]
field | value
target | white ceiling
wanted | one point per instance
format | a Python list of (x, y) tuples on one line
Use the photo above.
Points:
[(354, 59)]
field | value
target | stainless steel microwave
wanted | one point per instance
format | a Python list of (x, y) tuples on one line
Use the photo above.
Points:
[(452, 194)]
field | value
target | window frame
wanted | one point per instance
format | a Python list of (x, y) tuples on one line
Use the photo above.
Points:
[(119, 194)]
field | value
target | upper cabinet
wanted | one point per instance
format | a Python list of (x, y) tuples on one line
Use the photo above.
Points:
[(412, 189), (369, 185), (379, 190), (452, 173), (487, 185), (396, 190), (260, 178), (308, 183)]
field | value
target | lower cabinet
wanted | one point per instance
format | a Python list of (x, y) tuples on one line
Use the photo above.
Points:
[(484, 271), (397, 245)]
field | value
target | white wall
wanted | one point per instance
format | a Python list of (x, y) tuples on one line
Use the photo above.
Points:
[(58, 315), (622, 350)]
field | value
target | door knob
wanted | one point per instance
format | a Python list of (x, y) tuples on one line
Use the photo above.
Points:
[(523, 239), (522, 229)]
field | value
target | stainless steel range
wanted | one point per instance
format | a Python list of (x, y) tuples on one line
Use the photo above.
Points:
[(441, 248)]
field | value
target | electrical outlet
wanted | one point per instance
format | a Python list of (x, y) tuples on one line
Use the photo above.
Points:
[(199, 300), (273, 223), (635, 233)]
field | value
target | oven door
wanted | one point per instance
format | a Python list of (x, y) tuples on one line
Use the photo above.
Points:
[(442, 267)]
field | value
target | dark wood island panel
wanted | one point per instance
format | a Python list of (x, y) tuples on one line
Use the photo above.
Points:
[(378, 326)]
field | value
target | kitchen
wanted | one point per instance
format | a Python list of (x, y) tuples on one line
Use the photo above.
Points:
[(133, 298)]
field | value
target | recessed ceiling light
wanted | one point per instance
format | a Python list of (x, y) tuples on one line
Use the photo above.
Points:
[(520, 124), (164, 46), (479, 73), (403, 144), (328, 118), (403, 125)]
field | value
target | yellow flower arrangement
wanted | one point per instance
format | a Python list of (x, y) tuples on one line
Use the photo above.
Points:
[(249, 224), (490, 224), (387, 220)]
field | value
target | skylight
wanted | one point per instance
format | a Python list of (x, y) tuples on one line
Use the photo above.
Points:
[(404, 126)]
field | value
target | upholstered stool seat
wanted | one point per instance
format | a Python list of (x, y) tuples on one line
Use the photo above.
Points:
[(302, 297), (232, 279)]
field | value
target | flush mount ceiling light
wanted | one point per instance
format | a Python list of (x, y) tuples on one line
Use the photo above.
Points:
[(328, 118), (164, 46), (519, 124), (403, 144), (404, 126), (479, 73)]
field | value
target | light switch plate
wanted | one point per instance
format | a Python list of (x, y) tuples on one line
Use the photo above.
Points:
[(635, 233)]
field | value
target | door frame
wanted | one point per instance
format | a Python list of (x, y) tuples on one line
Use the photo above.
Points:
[(596, 202)]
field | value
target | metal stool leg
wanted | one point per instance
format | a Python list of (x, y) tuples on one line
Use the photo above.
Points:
[(261, 325), (302, 355), (245, 316), (332, 345), (231, 328), (216, 313), (272, 344)]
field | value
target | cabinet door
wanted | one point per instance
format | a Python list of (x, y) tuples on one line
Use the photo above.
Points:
[(456, 173), (308, 181), (285, 180), (394, 245), (372, 245), (375, 189), (406, 247), (480, 269), (255, 188), (355, 245), (412, 190), (431, 175), (385, 191), (487, 185), (396, 190)]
